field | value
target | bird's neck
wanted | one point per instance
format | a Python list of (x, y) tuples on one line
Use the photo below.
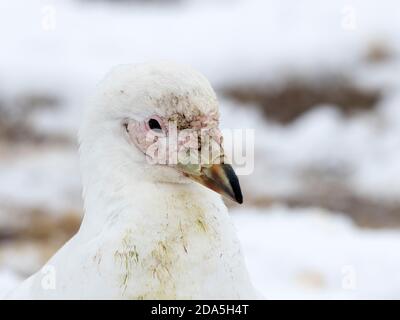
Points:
[(181, 233), (119, 191)]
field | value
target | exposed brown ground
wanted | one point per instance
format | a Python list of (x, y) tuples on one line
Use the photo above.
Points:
[(15, 126), (35, 233), (296, 97), (36, 224), (366, 213)]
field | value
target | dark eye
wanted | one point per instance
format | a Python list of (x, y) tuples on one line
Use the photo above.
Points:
[(154, 124)]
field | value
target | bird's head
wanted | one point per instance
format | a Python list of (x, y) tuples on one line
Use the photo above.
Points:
[(165, 117)]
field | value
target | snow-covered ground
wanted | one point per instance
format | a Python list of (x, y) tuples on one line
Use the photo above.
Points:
[(299, 254), (311, 254), (62, 48)]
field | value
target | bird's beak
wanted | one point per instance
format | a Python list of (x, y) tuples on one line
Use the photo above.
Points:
[(218, 177)]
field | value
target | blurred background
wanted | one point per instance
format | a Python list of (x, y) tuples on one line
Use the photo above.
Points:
[(318, 81)]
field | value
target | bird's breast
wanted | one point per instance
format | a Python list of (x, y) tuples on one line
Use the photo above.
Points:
[(186, 247)]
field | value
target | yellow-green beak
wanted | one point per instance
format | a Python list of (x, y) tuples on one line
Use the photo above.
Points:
[(218, 177)]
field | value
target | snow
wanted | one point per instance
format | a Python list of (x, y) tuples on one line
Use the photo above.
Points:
[(8, 281), (48, 180), (306, 253), (268, 35), (312, 254)]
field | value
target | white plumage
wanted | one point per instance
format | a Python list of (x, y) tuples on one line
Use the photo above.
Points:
[(149, 232)]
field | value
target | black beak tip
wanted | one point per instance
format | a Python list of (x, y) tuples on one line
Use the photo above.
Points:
[(239, 198), (237, 192), (235, 185)]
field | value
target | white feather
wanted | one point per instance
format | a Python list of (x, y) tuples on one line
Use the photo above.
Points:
[(147, 233)]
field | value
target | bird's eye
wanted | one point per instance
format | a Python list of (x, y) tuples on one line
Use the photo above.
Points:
[(154, 124)]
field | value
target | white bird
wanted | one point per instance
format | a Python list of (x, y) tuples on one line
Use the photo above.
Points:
[(150, 230)]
